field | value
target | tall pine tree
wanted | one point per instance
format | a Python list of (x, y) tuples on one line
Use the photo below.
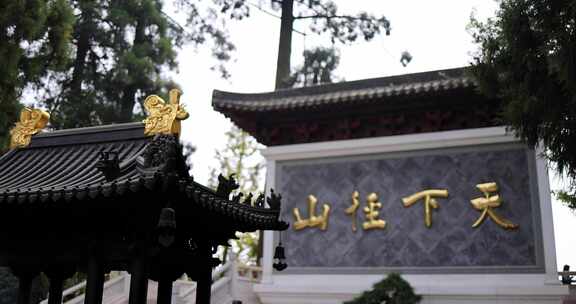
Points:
[(121, 49), (35, 37), (528, 59), (318, 67)]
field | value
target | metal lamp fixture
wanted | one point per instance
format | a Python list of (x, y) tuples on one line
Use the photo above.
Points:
[(279, 258)]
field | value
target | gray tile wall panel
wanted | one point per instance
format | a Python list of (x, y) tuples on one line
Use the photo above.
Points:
[(406, 245)]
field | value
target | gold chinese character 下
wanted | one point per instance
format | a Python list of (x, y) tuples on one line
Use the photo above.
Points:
[(373, 222), (429, 202), (486, 203), (313, 220)]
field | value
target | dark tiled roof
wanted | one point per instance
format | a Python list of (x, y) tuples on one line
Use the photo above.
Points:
[(242, 214), (61, 167), (377, 89)]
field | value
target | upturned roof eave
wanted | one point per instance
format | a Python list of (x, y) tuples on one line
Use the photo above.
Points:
[(384, 89)]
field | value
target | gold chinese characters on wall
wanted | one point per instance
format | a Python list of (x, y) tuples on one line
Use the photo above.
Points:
[(373, 219)]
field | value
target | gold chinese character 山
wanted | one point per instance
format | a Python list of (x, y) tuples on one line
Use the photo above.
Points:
[(31, 122), (164, 118), (352, 209), (429, 202), (313, 220), (373, 222), (486, 203)]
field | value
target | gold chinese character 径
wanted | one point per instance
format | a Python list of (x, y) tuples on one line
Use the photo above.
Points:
[(352, 209), (429, 202), (372, 214), (313, 220), (486, 203)]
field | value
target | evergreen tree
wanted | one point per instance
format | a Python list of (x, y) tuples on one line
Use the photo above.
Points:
[(8, 286), (35, 37), (318, 68), (391, 290), (528, 59), (323, 16), (325, 19), (91, 62), (121, 49)]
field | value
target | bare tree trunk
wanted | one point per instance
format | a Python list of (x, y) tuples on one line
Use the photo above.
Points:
[(285, 45)]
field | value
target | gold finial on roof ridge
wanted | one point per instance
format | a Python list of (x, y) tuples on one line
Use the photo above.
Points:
[(164, 118), (31, 122)]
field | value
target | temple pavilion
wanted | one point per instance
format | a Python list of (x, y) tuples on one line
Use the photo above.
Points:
[(116, 197), (413, 174)]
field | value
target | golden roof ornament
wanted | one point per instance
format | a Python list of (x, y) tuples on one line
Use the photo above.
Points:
[(31, 122), (164, 118)]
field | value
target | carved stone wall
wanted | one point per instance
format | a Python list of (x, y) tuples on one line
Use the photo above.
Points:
[(450, 245)]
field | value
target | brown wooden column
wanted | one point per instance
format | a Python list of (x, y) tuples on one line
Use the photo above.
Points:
[(138, 281), (95, 281), (24, 287), (204, 287), (164, 291), (55, 290), (25, 278), (57, 274)]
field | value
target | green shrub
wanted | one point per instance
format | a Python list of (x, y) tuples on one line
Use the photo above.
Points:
[(391, 290)]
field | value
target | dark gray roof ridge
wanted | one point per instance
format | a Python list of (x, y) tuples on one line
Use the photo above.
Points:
[(336, 92), (93, 129), (96, 134)]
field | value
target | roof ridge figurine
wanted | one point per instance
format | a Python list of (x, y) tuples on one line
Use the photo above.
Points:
[(164, 118), (31, 122)]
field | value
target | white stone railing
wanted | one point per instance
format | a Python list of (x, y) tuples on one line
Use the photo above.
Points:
[(115, 287), (229, 282)]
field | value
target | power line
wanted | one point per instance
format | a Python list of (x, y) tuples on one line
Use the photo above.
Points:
[(273, 15)]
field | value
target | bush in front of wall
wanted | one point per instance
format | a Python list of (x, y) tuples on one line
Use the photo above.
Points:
[(391, 290)]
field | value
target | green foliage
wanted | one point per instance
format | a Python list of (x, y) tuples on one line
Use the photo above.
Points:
[(528, 59), (121, 49), (35, 36), (240, 157), (342, 28), (92, 62), (8, 286), (568, 197), (324, 19), (318, 68), (391, 290)]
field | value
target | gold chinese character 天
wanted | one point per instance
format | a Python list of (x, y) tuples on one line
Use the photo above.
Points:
[(429, 202), (313, 220), (486, 203), (372, 214), (352, 209)]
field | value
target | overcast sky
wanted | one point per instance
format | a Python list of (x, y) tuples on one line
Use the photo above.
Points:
[(434, 32)]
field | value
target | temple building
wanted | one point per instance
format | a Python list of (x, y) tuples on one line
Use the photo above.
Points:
[(411, 174), (116, 197)]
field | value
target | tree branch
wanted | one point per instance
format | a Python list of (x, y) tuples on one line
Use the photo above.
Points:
[(330, 17)]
